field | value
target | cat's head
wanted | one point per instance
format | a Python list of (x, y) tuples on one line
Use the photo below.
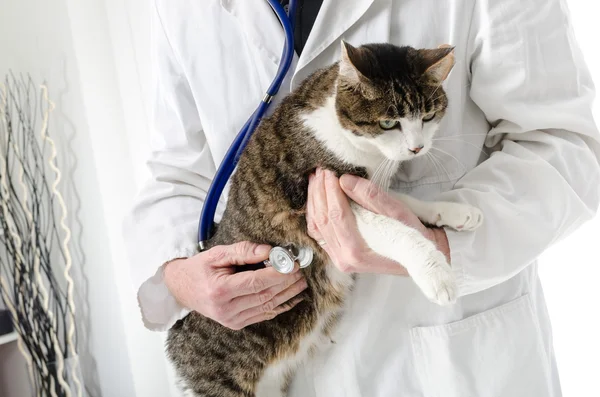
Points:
[(391, 98)]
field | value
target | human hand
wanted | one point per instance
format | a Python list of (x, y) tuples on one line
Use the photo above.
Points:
[(371, 197), (331, 222), (208, 284)]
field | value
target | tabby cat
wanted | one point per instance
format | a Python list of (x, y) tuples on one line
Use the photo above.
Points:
[(379, 103)]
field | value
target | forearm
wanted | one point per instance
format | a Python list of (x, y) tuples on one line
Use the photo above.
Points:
[(542, 179), (439, 237), (162, 225), (531, 197)]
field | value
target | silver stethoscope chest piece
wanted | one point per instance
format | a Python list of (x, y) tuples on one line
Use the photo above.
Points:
[(283, 259), (304, 256)]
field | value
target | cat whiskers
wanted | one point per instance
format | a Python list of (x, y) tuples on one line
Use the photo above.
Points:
[(376, 178), (459, 135), (455, 139), (392, 167), (382, 176), (438, 165), (388, 172), (464, 168)]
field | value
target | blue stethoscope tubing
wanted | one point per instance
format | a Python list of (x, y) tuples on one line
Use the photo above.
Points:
[(241, 140)]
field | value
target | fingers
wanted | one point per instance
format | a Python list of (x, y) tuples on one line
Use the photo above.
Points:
[(231, 296), (370, 196), (313, 230), (331, 220), (253, 282), (269, 315), (318, 197), (322, 213), (274, 306), (317, 215), (362, 191), (266, 297), (237, 254), (341, 218), (238, 299)]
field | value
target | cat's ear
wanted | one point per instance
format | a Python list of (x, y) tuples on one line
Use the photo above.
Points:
[(354, 64), (437, 64), (351, 58)]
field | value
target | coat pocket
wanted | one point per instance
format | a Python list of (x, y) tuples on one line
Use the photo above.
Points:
[(497, 353)]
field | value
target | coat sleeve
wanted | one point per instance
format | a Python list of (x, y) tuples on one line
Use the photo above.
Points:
[(542, 180), (163, 222)]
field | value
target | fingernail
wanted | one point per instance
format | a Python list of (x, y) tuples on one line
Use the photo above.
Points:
[(319, 171), (262, 249), (304, 284), (348, 181), (311, 177)]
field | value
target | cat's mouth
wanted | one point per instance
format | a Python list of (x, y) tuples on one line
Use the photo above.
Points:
[(418, 152), (404, 154)]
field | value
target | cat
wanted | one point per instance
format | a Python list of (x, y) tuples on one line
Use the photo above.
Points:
[(379, 103)]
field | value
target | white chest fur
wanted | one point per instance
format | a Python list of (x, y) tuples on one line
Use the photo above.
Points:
[(344, 144)]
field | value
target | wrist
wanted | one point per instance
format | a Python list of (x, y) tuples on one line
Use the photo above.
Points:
[(438, 236), (171, 275)]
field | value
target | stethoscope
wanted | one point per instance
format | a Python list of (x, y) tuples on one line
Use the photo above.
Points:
[(281, 258)]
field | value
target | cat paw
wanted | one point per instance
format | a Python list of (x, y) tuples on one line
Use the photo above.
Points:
[(462, 217), (438, 282)]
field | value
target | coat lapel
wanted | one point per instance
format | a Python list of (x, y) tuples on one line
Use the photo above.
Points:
[(336, 20), (260, 25)]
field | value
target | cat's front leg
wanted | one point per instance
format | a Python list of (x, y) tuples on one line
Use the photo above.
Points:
[(458, 216), (426, 265)]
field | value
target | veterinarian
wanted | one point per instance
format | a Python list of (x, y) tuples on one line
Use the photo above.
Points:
[(518, 141)]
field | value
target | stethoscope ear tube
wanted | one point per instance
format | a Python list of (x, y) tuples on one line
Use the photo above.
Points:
[(282, 259), (222, 175), (232, 156)]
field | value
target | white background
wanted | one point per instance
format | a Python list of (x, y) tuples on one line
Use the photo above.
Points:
[(95, 57), (570, 271)]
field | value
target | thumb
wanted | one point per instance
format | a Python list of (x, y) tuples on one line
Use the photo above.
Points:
[(366, 194), (361, 190), (349, 181), (237, 254)]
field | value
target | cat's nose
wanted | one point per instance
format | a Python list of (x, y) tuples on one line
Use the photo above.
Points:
[(416, 149)]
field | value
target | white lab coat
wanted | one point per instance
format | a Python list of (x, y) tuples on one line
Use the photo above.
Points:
[(519, 89)]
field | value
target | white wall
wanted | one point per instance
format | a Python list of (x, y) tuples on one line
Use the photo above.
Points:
[(130, 28), (67, 44), (570, 270)]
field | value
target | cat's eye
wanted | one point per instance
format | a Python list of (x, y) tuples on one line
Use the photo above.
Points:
[(429, 118), (388, 124)]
